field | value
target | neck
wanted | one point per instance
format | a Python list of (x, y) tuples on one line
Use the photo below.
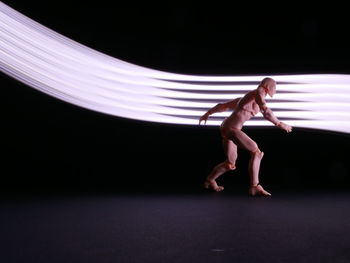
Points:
[(266, 90)]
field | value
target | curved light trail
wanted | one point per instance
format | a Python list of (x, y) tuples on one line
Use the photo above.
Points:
[(72, 72)]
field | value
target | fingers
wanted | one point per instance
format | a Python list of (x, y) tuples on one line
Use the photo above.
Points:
[(285, 127), (200, 120)]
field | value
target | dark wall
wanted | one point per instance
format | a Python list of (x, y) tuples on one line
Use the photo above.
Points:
[(237, 38), (49, 145)]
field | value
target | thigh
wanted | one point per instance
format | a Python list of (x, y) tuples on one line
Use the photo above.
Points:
[(242, 140)]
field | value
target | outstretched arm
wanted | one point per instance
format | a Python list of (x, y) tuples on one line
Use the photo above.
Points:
[(268, 113), (221, 107)]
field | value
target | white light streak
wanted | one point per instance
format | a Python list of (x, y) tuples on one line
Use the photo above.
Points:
[(72, 72)]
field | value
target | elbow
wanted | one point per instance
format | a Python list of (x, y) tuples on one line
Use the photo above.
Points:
[(266, 112), (267, 116), (221, 107)]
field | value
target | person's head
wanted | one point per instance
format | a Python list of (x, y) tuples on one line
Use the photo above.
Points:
[(269, 85)]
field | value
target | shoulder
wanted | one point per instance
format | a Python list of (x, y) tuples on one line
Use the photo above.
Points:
[(233, 103)]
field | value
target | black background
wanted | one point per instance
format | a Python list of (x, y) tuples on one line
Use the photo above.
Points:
[(49, 145)]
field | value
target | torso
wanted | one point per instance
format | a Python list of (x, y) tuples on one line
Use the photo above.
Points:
[(245, 110)]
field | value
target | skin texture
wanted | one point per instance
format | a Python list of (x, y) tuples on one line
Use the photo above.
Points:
[(243, 109)]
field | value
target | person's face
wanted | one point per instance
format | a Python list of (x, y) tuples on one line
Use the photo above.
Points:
[(272, 90)]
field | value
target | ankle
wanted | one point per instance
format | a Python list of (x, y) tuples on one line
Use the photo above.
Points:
[(254, 185)]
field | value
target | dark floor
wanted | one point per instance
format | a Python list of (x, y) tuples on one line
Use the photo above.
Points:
[(199, 227)]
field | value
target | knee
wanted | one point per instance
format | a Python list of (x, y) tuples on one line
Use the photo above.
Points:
[(229, 166), (257, 153), (254, 147)]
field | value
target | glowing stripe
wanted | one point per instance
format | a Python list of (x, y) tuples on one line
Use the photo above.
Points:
[(67, 70)]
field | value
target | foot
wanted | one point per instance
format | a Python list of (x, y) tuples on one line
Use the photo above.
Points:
[(208, 184), (258, 190)]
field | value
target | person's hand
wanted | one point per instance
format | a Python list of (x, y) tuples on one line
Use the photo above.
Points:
[(204, 118), (284, 126)]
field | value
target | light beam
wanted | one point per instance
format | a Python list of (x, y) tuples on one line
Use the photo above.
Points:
[(77, 74)]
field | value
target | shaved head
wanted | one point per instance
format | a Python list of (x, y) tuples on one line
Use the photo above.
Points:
[(269, 85)]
